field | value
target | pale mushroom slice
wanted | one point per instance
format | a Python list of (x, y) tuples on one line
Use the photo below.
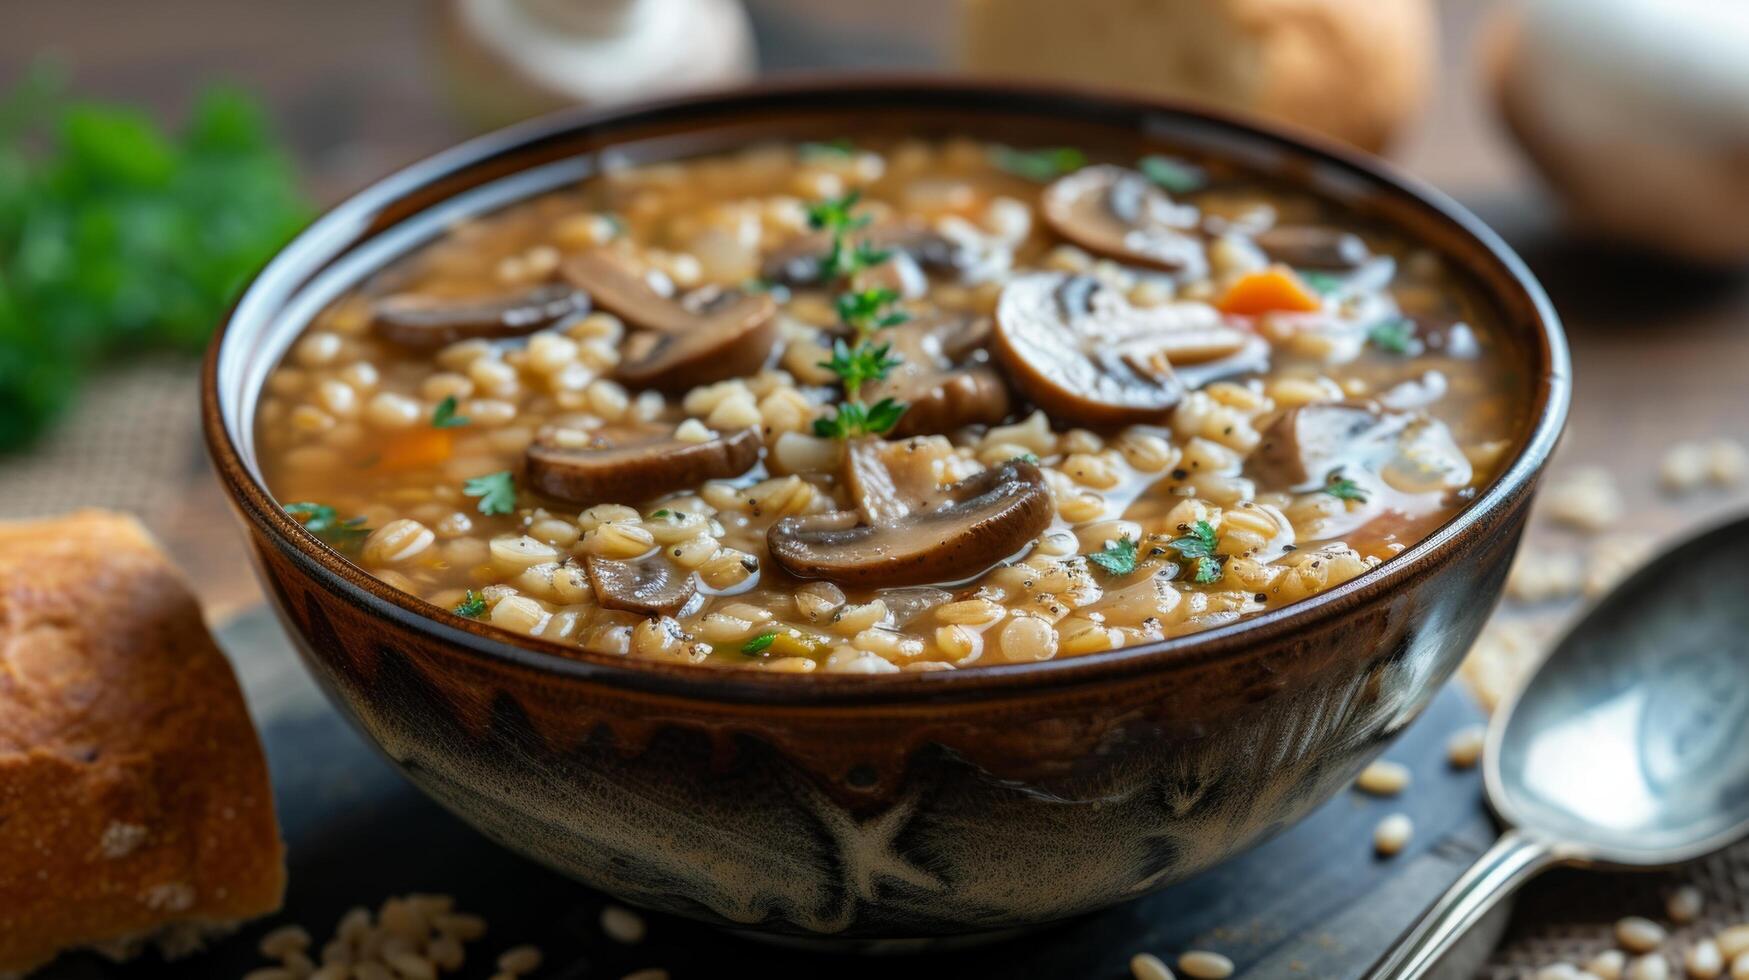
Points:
[(1314, 247), (797, 261), (651, 586), (1080, 350), (677, 343), (420, 321), (944, 377), (624, 464), (955, 535), (1120, 213), (1308, 446)]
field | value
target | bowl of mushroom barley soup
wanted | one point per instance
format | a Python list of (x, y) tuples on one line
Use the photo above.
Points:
[(891, 509)]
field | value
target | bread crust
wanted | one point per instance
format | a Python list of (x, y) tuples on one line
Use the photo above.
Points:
[(134, 797), (1357, 72)]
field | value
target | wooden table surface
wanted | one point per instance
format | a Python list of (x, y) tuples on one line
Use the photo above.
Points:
[(1659, 350)]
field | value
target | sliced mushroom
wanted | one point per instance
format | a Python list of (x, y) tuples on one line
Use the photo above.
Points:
[(1120, 213), (1410, 452), (414, 320), (621, 464), (1080, 350), (1314, 247), (943, 377), (650, 586), (960, 533), (706, 335), (797, 261)]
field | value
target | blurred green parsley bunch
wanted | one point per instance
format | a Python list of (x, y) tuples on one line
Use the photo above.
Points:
[(117, 237)]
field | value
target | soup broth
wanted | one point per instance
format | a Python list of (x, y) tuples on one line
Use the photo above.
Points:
[(915, 405)]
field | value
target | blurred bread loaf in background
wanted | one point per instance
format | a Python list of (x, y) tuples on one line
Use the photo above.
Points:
[(134, 800), (1356, 70)]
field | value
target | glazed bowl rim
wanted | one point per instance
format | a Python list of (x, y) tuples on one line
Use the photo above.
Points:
[(254, 311)]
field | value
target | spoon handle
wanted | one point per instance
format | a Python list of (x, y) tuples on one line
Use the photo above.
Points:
[(1513, 860)]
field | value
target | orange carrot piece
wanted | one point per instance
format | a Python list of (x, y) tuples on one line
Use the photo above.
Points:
[(416, 449), (1276, 288)]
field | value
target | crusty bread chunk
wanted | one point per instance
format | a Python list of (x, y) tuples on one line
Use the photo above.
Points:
[(1353, 70), (134, 799)]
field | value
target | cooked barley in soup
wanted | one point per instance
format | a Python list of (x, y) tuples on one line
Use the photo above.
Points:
[(916, 405)]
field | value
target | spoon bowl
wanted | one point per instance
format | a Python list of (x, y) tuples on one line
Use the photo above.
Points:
[(1628, 747)]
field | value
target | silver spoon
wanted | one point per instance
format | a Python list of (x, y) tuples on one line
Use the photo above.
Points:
[(1627, 749)]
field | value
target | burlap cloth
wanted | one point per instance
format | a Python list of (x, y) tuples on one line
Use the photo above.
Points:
[(133, 444)]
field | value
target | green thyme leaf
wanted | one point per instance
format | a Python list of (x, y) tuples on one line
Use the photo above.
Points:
[(882, 416), (1342, 488), (445, 417), (1042, 165), (1394, 336), (864, 363), (1117, 557), (836, 214), (473, 607), (1172, 174), (759, 644), (1027, 458), (497, 492), (853, 419)]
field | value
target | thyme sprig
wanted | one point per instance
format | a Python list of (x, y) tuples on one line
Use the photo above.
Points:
[(865, 312)]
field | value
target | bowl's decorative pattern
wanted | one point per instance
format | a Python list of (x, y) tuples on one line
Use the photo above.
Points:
[(912, 805)]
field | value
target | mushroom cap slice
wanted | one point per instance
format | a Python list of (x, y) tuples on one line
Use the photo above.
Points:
[(624, 464), (706, 335), (1120, 213), (797, 261), (415, 320), (1314, 247), (943, 377), (650, 586), (1307, 443), (1080, 350), (971, 527)]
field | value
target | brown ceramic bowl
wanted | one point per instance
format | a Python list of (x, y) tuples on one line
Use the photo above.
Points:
[(911, 804)]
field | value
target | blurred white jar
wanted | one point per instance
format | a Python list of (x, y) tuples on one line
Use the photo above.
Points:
[(1637, 111), (511, 59)]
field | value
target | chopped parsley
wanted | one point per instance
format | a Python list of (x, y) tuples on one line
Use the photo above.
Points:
[(1172, 174), (1342, 488), (325, 523), (1028, 458), (472, 606), (1322, 283), (497, 492), (852, 419), (1198, 547), (1041, 165), (759, 644), (1117, 557), (1394, 336), (664, 512), (445, 417), (840, 147)]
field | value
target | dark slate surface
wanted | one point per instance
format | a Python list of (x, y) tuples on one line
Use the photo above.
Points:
[(1312, 903)]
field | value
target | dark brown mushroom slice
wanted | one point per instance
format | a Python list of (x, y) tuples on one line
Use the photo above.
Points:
[(706, 335), (1314, 247), (1306, 444), (1080, 350), (797, 261), (965, 531), (419, 321), (622, 464), (1120, 213), (650, 586), (943, 378)]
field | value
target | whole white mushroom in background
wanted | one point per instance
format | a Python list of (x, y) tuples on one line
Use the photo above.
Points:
[(1637, 111)]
